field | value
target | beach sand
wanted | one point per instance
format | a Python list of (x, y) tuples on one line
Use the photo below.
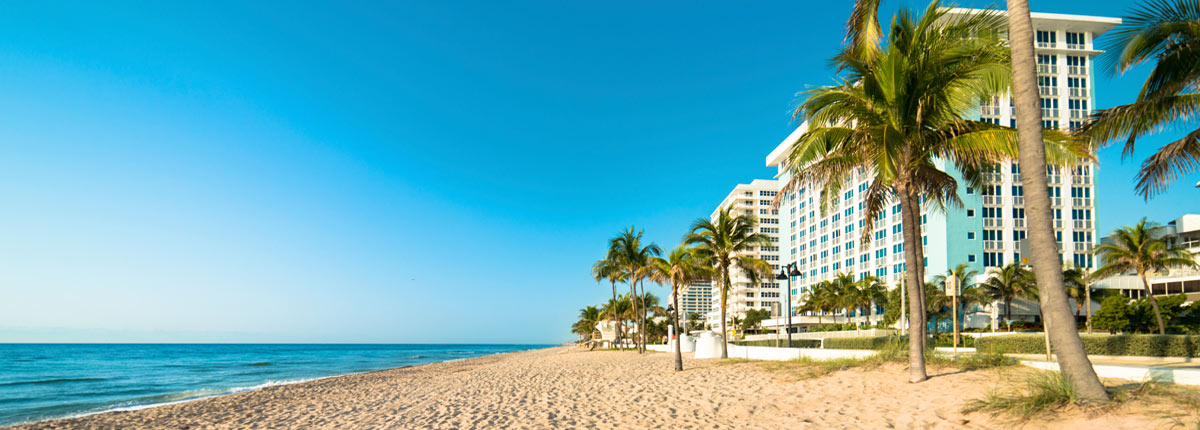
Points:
[(561, 388)]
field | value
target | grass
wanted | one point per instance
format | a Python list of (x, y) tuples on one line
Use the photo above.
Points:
[(895, 352), (1045, 393)]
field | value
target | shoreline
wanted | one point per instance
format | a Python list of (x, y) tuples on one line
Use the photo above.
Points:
[(242, 390)]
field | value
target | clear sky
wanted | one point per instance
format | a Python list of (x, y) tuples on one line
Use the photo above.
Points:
[(416, 171)]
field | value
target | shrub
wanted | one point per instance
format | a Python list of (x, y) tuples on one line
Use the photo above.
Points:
[(796, 343), (1145, 345), (873, 342)]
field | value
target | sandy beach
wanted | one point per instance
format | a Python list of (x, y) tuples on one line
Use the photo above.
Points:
[(569, 388)]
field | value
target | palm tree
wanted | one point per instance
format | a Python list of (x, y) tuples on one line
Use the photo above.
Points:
[(723, 245), (626, 248), (588, 318), (609, 268), (1141, 249), (822, 299), (900, 111), (1166, 32), (1075, 279), (1043, 245), (1007, 283), (618, 310), (679, 269), (968, 294), (866, 292)]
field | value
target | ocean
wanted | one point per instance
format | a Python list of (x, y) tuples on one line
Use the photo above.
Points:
[(45, 381)]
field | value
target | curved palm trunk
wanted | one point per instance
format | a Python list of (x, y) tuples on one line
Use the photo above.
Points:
[(916, 286), (1153, 303), (1043, 247), (724, 300), (614, 291), (678, 333), (633, 303)]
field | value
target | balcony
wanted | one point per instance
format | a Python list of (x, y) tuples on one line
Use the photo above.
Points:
[(1019, 201), (1058, 224), (1056, 201), (1017, 178), (1081, 201), (1045, 45), (1079, 114), (993, 245), (1019, 223), (1051, 113), (1048, 91), (993, 177), (1078, 46), (1077, 70), (1081, 247), (1081, 224), (1081, 180), (1078, 92), (1047, 69), (1054, 179), (992, 200), (993, 223), (989, 110)]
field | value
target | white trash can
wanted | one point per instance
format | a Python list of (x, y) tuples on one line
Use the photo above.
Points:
[(708, 346)]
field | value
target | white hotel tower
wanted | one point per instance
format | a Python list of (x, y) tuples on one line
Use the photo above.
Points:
[(752, 199), (987, 230)]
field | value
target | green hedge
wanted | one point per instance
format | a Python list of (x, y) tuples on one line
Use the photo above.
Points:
[(1143, 345), (873, 342), (796, 343)]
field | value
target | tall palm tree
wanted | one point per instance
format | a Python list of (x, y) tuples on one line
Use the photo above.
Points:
[(634, 258), (1166, 32), (1007, 283), (723, 245), (679, 269), (901, 111), (1043, 245), (1141, 249)]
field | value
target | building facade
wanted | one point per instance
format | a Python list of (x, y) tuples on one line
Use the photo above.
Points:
[(987, 231), (754, 199), (696, 298)]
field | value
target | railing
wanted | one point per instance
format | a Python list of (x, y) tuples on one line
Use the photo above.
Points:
[(1056, 201), (1019, 201), (1081, 201), (1082, 247), (993, 177), (989, 110), (1078, 92), (1045, 44), (991, 200), (1076, 46), (1081, 180), (1082, 224), (1079, 114), (993, 222), (1019, 223), (993, 245), (1054, 179), (1050, 113), (1077, 70), (1058, 223), (1048, 91), (1047, 69), (896, 258)]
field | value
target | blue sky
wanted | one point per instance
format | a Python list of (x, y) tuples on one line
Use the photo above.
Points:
[(390, 172)]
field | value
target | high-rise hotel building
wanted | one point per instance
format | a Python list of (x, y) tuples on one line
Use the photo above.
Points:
[(987, 231), (752, 199)]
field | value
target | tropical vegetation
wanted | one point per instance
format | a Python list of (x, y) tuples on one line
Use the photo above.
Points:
[(1142, 250)]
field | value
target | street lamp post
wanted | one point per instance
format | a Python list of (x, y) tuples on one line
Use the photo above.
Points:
[(787, 272)]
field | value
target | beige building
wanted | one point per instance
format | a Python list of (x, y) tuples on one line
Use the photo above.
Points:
[(751, 199)]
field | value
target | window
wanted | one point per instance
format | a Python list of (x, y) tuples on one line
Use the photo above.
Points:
[(970, 213), (1046, 39), (970, 190), (971, 235), (970, 258), (1075, 40)]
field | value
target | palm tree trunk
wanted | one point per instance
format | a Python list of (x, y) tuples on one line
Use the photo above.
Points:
[(724, 296), (1008, 309), (633, 303), (645, 335), (1047, 265), (916, 317), (613, 282), (678, 332), (1087, 291), (1153, 303)]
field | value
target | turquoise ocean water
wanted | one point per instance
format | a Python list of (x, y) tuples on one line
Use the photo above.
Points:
[(45, 381)]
